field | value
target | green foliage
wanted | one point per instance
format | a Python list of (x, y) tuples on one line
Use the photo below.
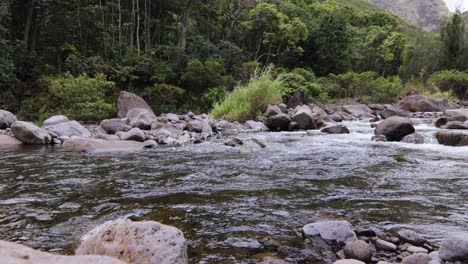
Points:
[(161, 96), (453, 38), (450, 81), (82, 98), (248, 101), (304, 81), (200, 76), (366, 86)]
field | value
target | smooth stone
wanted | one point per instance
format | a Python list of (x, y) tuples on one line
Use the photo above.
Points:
[(329, 233), (6, 119), (454, 139), (359, 111), (134, 134), (29, 133), (454, 249), (69, 129), (9, 140), (338, 129), (419, 258), (418, 103), (414, 249), (101, 145), (348, 261), (410, 236), (385, 245), (54, 120), (128, 101), (359, 250), (114, 125), (278, 122), (273, 110), (256, 126), (395, 128), (140, 118)]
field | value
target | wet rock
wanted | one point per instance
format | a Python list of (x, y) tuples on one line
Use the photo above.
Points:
[(418, 103), (442, 121), (395, 128), (304, 118), (226, 128), (409, 236), (457, 112), (379, 138), (29, 133), (246, 143), (256, 126), (134, 134), (140, 118), (6, 119), (128, 101), (171, 127), (454, 249), (348, 261), (454, 139), (419, 258), (415, 138), (278, 122), (296, 100), (114, 125), (9, 140), (268, 258), (414, 249), (385, 245), (359, 250), (136, 242), (359, 111), (12, 253), (273, 110), (338, 129), (366, 232), (100, 145), (329, 233), (106, 137), (69, 129), (393, 111), (200, 126), (54, 120), (455, 125)]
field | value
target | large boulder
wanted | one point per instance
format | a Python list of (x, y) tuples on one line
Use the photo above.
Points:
[(134, 134), (29, 133), (140, 118), (54, 120), (359, 111), (329, 233), (9, 140), (12, 253), (457, 112), (395, 128), (454, 249), (145, 242), (418, 103), (170, 127), (128, 101), (6, 119), (278, 122), (114, 125), (101, 145), (69, 129), (256, 126), (304, 118), (416, 138), (454, 139)]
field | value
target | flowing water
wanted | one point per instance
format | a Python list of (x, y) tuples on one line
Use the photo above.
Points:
[(225, 199)]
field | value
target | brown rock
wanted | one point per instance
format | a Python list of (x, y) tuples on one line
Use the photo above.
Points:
[(418, 103), (128, 101)]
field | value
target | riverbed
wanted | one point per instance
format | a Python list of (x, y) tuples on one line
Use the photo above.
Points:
[(226, 200)]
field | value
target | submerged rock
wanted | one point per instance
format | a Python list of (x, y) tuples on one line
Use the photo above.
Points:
[(395, 128), (147, 242), (12, 253), (454, 139), (6, 119), (128, 101), (338, 129), (455, 125), (329, 233), (415, 138), (101, 145), (29, 133)]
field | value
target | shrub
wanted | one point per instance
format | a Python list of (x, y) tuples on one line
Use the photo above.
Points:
[(304, 81), (446, 81), (82, 98), (163, 97), (247, 101)]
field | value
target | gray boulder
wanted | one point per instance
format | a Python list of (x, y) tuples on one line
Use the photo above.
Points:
[(134, 134), (171, 127), (359, 111), (273, 110), (385, 245), (418, 103), (6, 119), (200, 126), (329, 233), (304, 118), (226, 128), (393, 111), (114, 125), (454, 249), (256, 126), (454, 139), (29, 133), (69, 129), (141, 118), (409, 236), (457, 112), (442, 121), (166, 118), (359, 250), (278, 122), (395, 128), (54, 120), (136, 242), (455, 125), (338, 129), (128, 101)]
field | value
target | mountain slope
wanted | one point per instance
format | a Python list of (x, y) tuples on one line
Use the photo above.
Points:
[(425, 13)]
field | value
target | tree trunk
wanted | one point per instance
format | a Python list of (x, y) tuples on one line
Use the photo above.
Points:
[(182, 43)]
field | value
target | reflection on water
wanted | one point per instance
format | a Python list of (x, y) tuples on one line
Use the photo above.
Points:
[(226, 200)]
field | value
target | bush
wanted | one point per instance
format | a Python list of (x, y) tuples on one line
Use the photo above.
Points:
[(82, 98), (247, 101), (304, 81), (366, 86), (446, 81), (163, 97)]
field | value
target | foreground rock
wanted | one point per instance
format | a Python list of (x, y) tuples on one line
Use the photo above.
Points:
[(145, 242), (12, 253), (8, 140), (395, 128), (416, 138), (454, 139), (454, 249), (304, 118), (6, 119), (29, 133), (128, 101), (329, 233), (348, 261), (134, 134), (418, 103), (359, 250), (101, 145)]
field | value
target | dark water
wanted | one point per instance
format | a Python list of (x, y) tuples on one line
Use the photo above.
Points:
[(225, 200)]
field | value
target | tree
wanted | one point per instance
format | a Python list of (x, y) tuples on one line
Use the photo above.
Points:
[(453, 38)]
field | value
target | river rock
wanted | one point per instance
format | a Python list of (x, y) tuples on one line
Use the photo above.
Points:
[(444, 120), (12, 253), (359, 250), (128, 101), (414, 249), (457, 112), (140, 118), (273, 110), (348, 261), (54, 120), (6, 119), (171, 127), (101, 145), (106, 137), (146, 242), (114, 125), (409, 236), (385, 245), (200, 126), (359, 111), (9, 140), (304, 118), (278, 122), (418, 103), (69, 129), (168, 118), (338, 129), (134, 134), (395, 128), (454, 139), (29, 133), (296, 100), (454, 249), (415, 138), (455, 125), (329, 233), (393, 111), (419, 258), (226, 128), (256, 126)]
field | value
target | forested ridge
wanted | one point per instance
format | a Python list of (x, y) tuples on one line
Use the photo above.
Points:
[(74, 57)]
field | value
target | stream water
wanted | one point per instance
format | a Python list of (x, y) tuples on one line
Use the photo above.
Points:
[(226, 199)]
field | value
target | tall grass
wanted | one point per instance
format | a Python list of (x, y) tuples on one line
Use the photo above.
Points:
[(247, 101)]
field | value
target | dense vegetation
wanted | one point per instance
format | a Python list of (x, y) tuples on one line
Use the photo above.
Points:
[(72, 57)]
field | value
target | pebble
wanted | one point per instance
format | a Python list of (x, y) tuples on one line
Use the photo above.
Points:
[(414, 249), (385, 245)]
